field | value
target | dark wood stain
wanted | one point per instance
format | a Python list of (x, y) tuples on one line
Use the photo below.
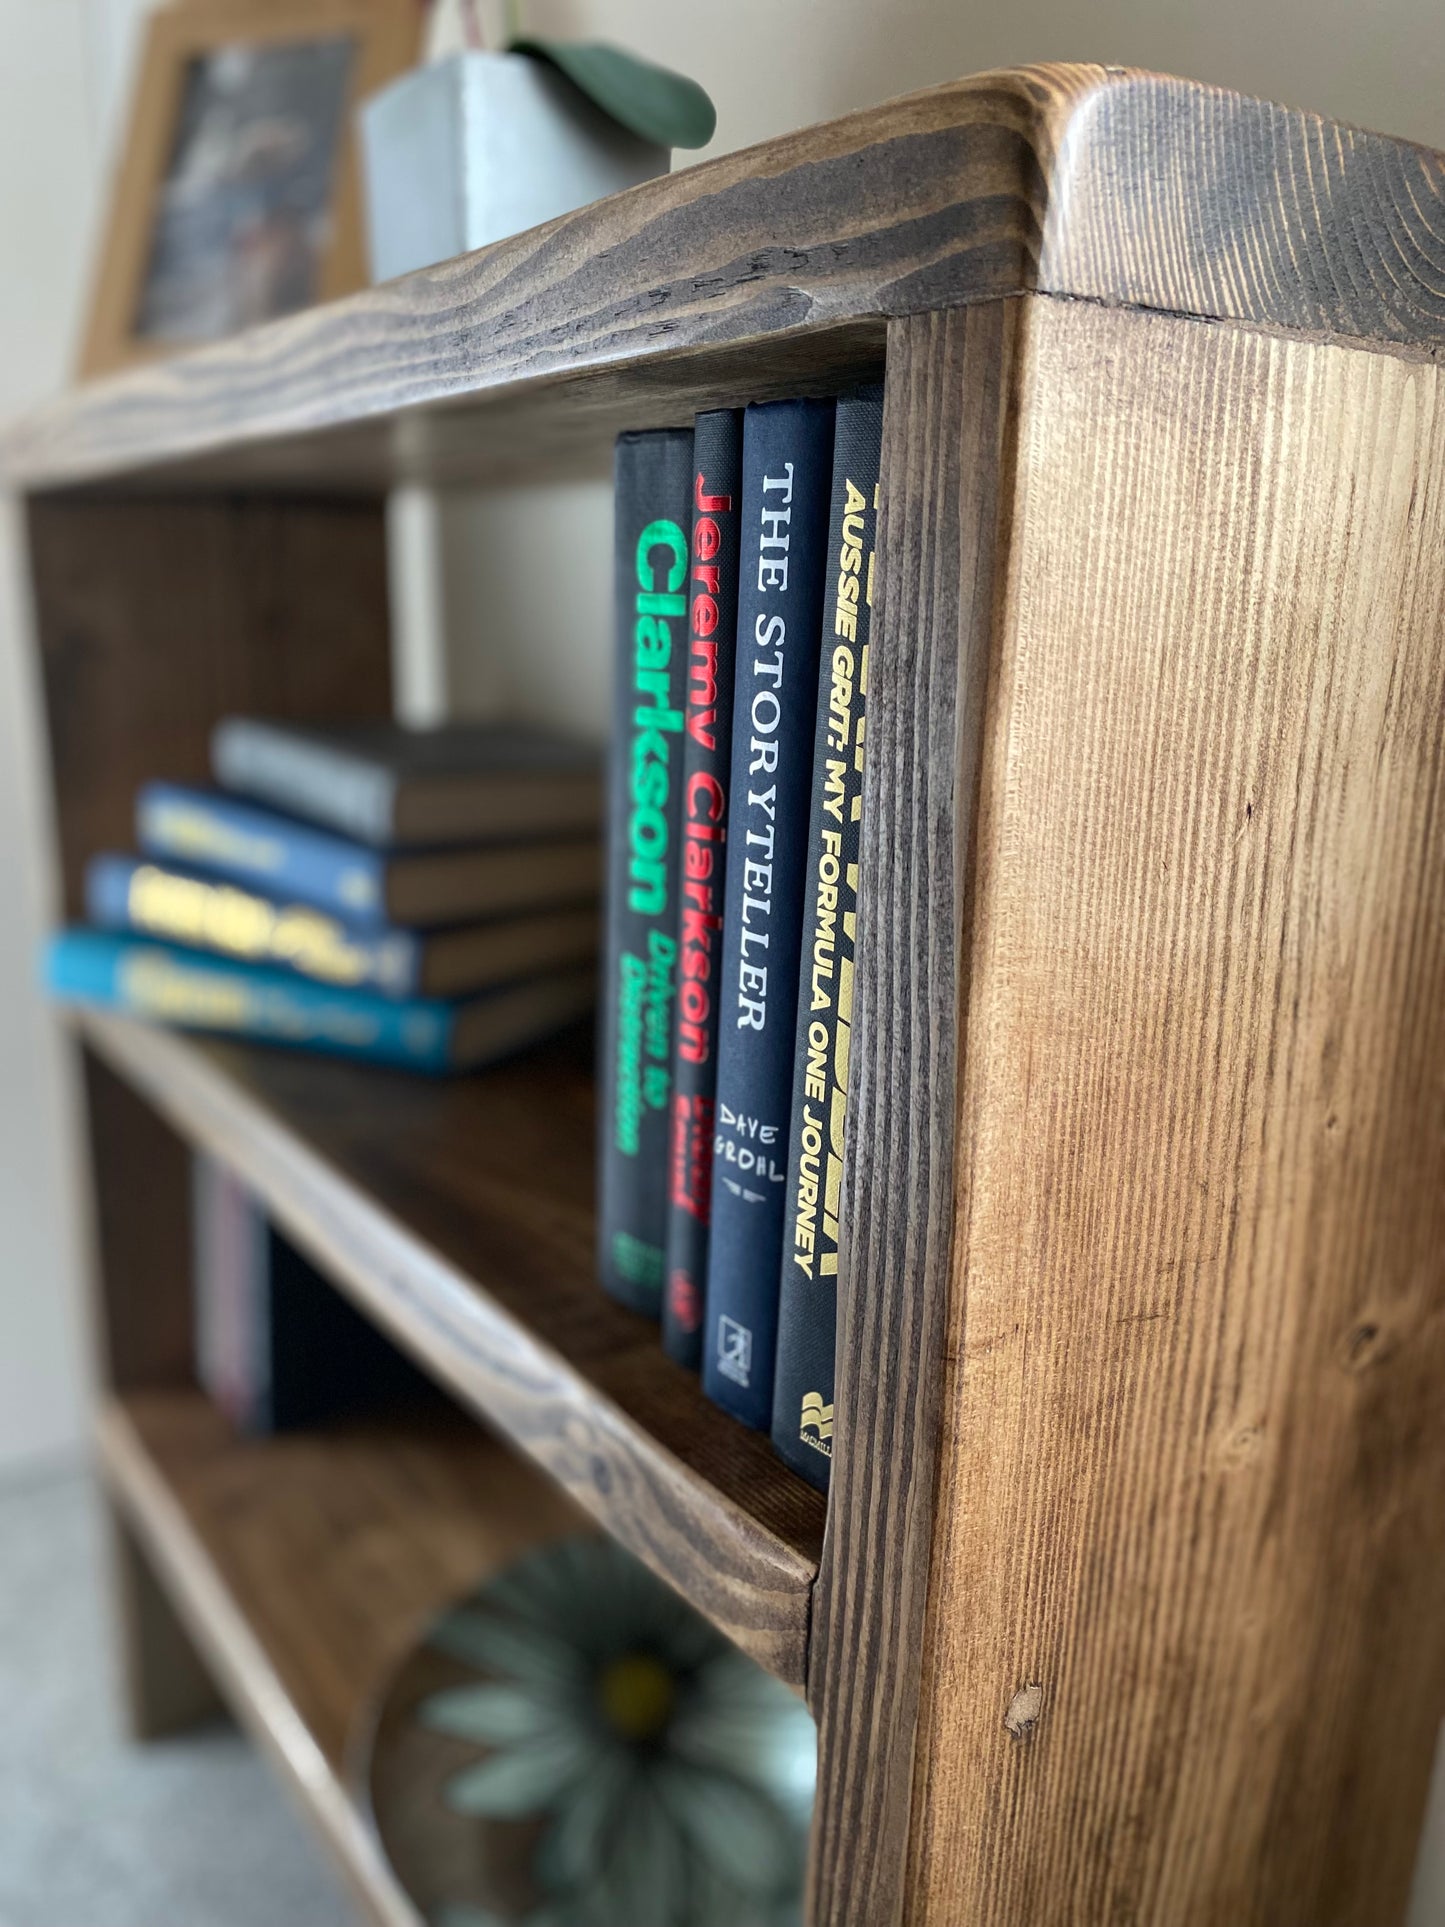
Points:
[(945, 405), (1086, 182), (460, 1214)]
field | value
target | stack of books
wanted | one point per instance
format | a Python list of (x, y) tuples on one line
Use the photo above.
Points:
[(744, 590), (426, 898)]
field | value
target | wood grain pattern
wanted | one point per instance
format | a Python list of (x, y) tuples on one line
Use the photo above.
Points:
[(306, 1566), (1187, 1613), (460, 1216), (947, 391), (155, 618), (1080, 181)]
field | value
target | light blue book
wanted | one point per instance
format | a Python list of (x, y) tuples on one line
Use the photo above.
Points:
[(175, 986), (372, 889)]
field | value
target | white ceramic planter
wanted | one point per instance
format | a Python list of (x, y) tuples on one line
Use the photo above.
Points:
[(481, 145)]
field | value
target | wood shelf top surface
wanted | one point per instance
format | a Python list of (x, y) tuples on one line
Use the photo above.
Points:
[(306, 1566), (460, 1215), (775, 268)]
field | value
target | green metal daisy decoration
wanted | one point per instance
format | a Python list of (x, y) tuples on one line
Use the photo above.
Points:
[(673, 1777)]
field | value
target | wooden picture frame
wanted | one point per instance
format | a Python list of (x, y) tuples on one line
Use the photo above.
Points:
[(358, 46)]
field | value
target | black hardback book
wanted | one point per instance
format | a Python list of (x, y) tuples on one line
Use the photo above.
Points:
[(653, 497), (706, 767), (392, 786), (787, 469), (278, 1348), (807, 1296)]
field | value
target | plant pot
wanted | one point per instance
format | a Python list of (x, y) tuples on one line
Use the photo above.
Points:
[(481, 145)]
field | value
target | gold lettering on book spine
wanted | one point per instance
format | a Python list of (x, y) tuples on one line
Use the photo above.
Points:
[(213, 916)]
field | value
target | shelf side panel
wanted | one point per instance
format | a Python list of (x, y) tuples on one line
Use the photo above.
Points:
[(1186, 1638), (155, 617), (944, 427)]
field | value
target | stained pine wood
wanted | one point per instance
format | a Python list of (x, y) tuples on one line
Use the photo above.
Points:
[(165, 1685), (949, 382), (1186, 1626), (1081, 181), (460, 1216), (154, 618), (307, 1565)]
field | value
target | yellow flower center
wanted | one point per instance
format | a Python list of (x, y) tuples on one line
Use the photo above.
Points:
[(637, 1693)]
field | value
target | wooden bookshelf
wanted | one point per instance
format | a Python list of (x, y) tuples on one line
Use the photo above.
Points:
[(1140, 1432), (459, 1214), (305, 1566)]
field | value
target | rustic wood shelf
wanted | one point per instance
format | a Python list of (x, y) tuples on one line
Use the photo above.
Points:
[(305, 1566), (1140, 1430), (459, 1214)]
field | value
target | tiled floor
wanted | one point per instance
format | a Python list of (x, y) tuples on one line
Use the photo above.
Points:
[(193, 1832)]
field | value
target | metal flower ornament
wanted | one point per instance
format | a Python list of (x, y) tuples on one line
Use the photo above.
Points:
[(673, 1778)]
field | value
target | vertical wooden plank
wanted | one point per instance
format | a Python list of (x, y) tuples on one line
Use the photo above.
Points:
[(944, 428), (1187, 1613), (156, 617), (140, 1182), (153, 619), (163, 1681)]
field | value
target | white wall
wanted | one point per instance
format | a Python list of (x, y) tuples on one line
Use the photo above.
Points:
[(772, 65), (46, 174)]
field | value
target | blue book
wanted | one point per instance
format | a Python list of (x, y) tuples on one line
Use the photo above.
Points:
[(208, 913), (204, 830), (787, 472), (175, 986)]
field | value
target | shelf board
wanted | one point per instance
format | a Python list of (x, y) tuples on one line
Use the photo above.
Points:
[(776, 270), (306, 1565), (459, 1214)]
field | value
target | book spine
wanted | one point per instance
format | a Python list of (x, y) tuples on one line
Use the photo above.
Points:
[(653, 494), (284, 859), (122, 893), (803, 1388), (203, 993), (323, 785), (706, 760), (787, 453)]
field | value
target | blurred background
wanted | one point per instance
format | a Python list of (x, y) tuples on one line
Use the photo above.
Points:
[(66, 70)]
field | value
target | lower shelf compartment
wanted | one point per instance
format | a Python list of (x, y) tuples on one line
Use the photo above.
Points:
[(305, 1566), (458, 1213)]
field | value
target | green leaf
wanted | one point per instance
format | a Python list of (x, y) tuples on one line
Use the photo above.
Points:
[(652, 102)]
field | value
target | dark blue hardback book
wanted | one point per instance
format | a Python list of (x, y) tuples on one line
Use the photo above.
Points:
[(212, 913), (209, 913), (260, 846), (706, 759), (787, 470), (653, 518), (807, 1299), (204, 830), (196, 992)]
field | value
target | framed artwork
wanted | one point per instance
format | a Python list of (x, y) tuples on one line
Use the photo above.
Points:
[(237, 198)]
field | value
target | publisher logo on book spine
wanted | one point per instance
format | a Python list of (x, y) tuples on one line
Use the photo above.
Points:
[(734, 1350), (816, 1427)]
